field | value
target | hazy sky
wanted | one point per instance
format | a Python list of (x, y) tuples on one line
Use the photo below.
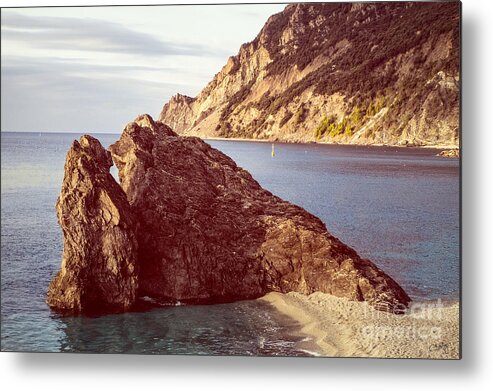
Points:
[(95, 69)]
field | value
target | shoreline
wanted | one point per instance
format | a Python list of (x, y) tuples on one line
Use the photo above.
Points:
[(343, 328), (437, 147)]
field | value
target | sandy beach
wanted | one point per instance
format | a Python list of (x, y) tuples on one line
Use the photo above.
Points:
[(343, 328)]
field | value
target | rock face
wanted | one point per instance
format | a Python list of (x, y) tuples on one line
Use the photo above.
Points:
[(359, 73), (453, 153), (99, 269), (210, 233), (189, 225)]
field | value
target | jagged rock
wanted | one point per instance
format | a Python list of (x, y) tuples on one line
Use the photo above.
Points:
[(210, 233), (454, 153), (190, 225), (99, 267)]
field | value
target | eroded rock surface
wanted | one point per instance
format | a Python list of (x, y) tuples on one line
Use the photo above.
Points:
[(454, 153), (388, 71), (210, 233), (99, 267)]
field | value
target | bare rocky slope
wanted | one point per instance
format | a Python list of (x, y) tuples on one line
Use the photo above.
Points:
[(362, 73), (207, 231)]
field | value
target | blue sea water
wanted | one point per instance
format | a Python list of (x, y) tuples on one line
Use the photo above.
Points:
[(398, 207)]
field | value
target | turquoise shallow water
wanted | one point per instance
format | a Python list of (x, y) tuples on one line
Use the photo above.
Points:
[(398, 207)]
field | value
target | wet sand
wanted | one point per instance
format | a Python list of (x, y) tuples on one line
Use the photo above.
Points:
[(343, 328)]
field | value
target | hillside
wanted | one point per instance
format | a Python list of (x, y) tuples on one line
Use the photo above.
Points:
[(363, 73)]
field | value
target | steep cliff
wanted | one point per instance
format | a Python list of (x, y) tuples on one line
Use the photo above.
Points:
[(99, 266), (362, 73)]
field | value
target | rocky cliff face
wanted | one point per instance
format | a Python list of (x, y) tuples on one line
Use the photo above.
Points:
[(363, 73), (189, 225), (99, 267)]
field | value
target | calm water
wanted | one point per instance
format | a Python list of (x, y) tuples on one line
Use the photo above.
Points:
[(398, 207)]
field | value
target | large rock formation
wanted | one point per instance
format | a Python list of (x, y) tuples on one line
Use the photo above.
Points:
[(188, 224), (360, 73), (99, 267), (210, 233)]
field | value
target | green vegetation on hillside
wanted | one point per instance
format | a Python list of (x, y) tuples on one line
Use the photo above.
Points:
[(331, 126), (406, 52), (364, 70)]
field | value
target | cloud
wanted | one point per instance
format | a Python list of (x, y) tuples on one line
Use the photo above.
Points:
[(30, 66), (59, 95), (88, 34), (71, 75), (78, 70)]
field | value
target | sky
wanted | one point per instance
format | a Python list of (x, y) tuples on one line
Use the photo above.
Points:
[(94, 69)]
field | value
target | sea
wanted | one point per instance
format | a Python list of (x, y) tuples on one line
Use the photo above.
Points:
[(399, 207)]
